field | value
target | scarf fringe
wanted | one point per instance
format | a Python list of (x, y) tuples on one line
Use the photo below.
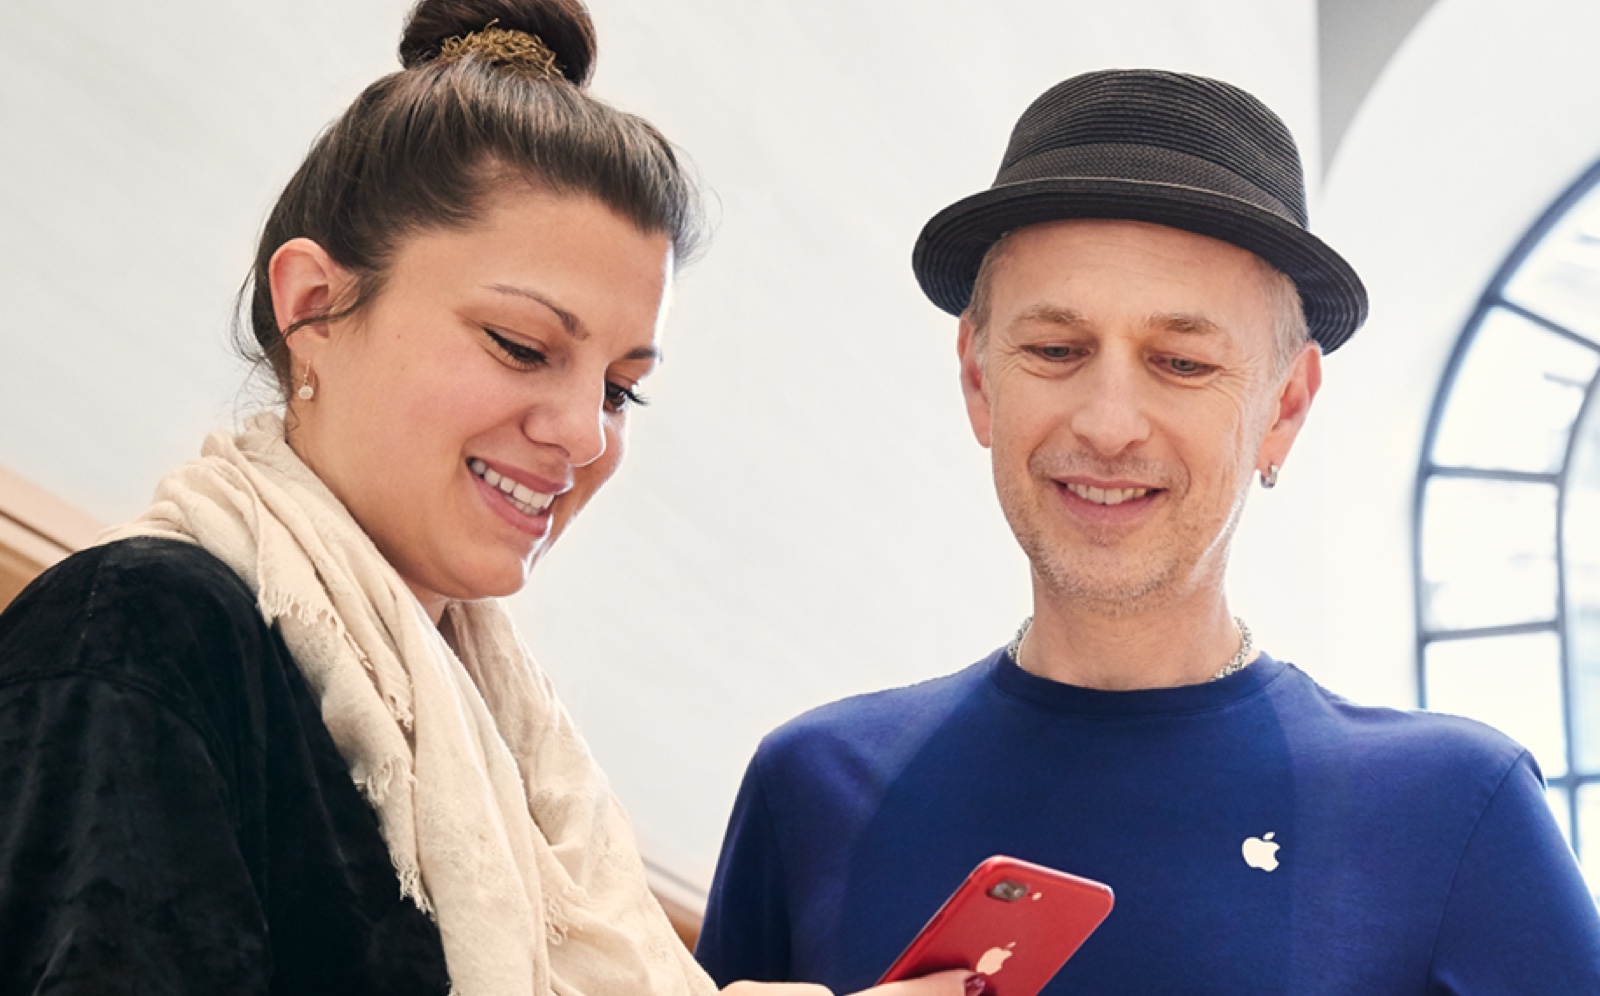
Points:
[(411, 888), (378, 781), (275, 604)]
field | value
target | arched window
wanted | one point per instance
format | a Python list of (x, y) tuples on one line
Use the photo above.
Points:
[(1508, 514)]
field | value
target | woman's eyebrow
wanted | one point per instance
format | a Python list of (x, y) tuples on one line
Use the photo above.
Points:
[(568, 320)]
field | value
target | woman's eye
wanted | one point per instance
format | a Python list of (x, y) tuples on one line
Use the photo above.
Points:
[(523, 356), (620, 397)]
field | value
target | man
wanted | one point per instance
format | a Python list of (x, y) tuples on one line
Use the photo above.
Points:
[(1143, 315)]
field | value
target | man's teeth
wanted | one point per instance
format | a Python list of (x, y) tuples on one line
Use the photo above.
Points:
[(1107, 496), (523, 498)]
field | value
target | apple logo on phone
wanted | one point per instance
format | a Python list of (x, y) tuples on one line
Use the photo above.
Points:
[(994, 959), (1261, 852)]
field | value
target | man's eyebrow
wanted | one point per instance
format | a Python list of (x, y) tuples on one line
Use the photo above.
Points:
[(568, 320), (1050, 314), (1183, 322)]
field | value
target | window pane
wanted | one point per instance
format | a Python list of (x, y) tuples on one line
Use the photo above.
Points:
[(1513, 683), (1561, 277), (1589, 834), (1581, 552), (1514, 398), (1488, 553)]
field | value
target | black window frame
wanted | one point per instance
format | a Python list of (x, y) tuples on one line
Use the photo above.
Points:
[(1492, 300)]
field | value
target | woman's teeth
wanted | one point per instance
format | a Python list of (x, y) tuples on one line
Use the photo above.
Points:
[(523, 498), (1107, 496)]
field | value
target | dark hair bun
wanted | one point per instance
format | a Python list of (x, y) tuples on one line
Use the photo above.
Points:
[(563, 25)]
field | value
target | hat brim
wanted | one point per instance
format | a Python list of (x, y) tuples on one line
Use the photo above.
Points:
[(953, 243)]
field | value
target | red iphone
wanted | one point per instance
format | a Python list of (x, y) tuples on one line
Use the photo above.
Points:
[(1013, 922)]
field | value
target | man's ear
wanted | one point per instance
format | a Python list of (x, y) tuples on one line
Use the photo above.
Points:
[(1292, 405), (970, 348), (306, 283)]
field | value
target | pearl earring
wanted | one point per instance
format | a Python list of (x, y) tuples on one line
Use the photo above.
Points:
[(1269, 477), (307, 390)]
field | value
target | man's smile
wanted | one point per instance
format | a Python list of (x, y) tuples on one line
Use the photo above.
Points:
[(1106, 496)]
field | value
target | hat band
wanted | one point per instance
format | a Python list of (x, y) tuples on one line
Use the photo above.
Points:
[(1144, 164)]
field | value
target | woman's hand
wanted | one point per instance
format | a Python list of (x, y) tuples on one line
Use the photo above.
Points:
[(957, 982)]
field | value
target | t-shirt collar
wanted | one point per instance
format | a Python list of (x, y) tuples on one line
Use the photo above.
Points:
[(1059, 696)]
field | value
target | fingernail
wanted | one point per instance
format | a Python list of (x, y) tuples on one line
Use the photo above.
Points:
[(976, 984)]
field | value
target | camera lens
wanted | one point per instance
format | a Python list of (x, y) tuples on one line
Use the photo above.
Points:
[(1008, 891)]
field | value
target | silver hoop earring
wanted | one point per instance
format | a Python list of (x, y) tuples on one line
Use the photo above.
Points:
[(1269, 477), (307, 389)]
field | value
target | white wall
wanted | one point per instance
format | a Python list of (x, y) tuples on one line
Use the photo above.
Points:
[(804, 514), (140, 145), (1484, 117)]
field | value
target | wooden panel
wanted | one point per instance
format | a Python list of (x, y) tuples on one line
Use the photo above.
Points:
[(33, 508), (36, 531), (23, 554)]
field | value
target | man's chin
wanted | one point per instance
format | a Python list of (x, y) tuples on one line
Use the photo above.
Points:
[(1106, 588)]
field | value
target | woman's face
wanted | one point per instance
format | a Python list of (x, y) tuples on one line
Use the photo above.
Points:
[(480, 399)]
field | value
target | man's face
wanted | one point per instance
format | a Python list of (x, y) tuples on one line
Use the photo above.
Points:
[(1127, 389)]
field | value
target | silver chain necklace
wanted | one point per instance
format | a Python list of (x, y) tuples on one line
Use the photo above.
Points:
[(1237, 663)]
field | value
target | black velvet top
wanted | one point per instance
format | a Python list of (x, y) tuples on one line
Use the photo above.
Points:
[(174, 817)]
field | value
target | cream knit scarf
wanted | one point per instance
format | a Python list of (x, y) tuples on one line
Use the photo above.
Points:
[(497, 819)]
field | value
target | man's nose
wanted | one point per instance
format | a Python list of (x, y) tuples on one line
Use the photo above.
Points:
[(1110, 416)]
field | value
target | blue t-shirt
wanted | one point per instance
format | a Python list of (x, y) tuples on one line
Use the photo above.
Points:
[(1416, 851)]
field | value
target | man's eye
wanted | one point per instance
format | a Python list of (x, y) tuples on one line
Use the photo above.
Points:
[(620, 397), (1054, 352), (523, 356), (1186, 367)]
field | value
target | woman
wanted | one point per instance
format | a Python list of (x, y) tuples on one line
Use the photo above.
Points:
[(276, 735)]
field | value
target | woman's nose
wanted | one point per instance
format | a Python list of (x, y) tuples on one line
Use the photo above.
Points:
[(570, 416)]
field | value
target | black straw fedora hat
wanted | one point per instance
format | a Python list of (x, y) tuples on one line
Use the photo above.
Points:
[(1159, 147)]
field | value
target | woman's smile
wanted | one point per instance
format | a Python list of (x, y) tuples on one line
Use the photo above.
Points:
[(517, 503)]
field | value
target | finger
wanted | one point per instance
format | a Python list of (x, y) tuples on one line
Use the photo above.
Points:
[(776, 989), (956, 982)]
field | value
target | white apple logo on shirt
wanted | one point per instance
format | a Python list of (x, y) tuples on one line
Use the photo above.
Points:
[(994, 959), (1261, 852)]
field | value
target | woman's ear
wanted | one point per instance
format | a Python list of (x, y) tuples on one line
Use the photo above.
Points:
[(306, 283)]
